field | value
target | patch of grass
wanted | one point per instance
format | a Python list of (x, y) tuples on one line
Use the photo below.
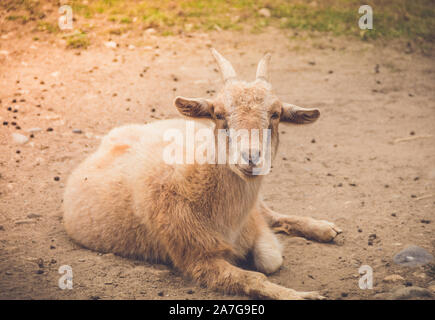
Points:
[(77, 40), (47, 26), (21, 18), (410, 19), (126, 20)]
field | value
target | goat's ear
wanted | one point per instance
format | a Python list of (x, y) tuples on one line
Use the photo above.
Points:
[(295, 114), (198, 108)]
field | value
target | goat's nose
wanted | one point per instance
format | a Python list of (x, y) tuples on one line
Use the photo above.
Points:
[(251, 157)]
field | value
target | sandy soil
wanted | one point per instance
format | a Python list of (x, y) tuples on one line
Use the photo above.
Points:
[(347, 168)]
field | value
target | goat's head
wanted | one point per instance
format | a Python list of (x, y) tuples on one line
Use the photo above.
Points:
[(245, 106)]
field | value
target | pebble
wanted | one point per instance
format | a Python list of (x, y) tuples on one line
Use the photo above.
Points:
[(110, 44), (33, 130), (412, 256), (19, 222), (264, 12), (78, 131), (33, 216), (19, 138), (150, 31)]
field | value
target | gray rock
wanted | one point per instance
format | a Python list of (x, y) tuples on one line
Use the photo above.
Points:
[(412, 256), (405, 293)]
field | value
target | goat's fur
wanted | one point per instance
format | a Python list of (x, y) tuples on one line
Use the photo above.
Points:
[(202, 219)]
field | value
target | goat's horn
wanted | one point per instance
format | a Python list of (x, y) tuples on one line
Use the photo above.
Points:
[(263, 68), (225, 66)]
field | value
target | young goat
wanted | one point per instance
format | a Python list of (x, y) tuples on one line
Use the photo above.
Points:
[(201, 218)]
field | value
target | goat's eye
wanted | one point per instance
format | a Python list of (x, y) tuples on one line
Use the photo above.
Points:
[(220, 116), (275, 115)]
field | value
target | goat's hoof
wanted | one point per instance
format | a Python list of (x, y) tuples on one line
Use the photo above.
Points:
[(319, 230), (300, 295), (323, 231), (312, 295)]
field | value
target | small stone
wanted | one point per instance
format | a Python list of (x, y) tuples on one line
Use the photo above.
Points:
[(56, 178), (192, 292), (49, 129), (150, 31), (20, 222), (19, 138), (393, 278), (33, 130), (161, 293), (33, 216), (78, 131), (264, 12), (40, 263), (110, 44)]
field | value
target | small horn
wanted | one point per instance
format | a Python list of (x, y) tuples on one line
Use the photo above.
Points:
[(227, 70), (263, 68)]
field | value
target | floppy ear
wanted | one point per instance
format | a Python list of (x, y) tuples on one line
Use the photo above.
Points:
[(295, 114), (197, 108)]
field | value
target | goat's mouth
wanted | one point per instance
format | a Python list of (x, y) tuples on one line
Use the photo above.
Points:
[(249, 171)]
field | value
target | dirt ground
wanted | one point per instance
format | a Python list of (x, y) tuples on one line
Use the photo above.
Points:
[(349, 167)]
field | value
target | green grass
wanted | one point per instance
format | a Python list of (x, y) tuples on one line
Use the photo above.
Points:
[(391, 18), (77, 41), (408, 19)]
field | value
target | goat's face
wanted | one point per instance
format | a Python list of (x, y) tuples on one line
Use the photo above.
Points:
[(251, 109)]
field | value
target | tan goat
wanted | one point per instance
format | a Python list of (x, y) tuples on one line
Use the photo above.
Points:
[(201, 218)]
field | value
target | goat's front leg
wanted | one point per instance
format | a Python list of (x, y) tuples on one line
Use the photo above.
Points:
[(221, 275), (320, 230)]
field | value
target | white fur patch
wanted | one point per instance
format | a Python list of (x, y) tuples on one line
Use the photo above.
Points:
[(267, 253)]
